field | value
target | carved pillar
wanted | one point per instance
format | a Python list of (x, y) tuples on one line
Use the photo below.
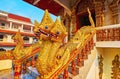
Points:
[(68, 21), (99, 13), (73, 68), (108, 34), (84, 54), (73, 24), (114, 9), (65, 76), (98, 35), (80, 60), (17, 70)]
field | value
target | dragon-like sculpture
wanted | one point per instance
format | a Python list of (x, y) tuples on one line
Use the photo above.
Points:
[(54, 54), (20, 51), (51, 34)]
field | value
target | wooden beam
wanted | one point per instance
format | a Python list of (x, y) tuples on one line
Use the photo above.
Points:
[(67, 8), (35, 2)]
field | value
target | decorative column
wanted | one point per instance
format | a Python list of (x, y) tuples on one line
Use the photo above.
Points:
[(74, 18), (9, 38), (73, 24), (31, 29), (108, 35), (99, 7), (114, 9), (17, 69), (73, 68), (22, 27), (10, 25), (65, 76), (66, 20), (80, 60), (84, 52), (98, 35)]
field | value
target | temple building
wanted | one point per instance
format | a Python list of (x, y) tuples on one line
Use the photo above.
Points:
[(100, 64), (97, 56), (9, 25)]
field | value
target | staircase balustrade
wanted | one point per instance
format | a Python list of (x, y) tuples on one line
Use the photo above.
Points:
[(76, 59), (108, 33)]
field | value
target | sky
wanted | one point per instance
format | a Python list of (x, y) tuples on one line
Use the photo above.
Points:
[(19, 7)]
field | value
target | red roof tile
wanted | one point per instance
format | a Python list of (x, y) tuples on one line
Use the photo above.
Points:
[(17, 17)]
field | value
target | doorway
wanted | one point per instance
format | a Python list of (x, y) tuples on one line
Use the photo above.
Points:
[(83, 19)]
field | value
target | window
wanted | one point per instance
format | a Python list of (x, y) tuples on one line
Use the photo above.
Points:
[(1, 37), (26, 39), (2, 24), (15, 26)]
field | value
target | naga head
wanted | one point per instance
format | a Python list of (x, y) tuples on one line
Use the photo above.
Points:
[(42, 30), (47, 29), (58, 32)]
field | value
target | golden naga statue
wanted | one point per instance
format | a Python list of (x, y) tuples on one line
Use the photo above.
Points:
[(54, 54), (19, 51), (51, 34)]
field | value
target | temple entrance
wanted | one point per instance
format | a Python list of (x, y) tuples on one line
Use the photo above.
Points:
[(83, 19)]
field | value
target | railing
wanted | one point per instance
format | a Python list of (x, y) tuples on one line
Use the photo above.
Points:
[(26, 41), (25, 30), (77, 58), (108, 33), (18, 63)]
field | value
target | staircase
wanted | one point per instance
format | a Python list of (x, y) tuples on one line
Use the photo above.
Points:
[(84, 70), (80, 62), (77, 62)]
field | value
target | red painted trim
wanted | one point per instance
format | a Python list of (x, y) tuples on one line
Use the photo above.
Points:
[(14, 32)]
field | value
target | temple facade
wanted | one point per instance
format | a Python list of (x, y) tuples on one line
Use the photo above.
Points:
[(102, 62), (96, 58)]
